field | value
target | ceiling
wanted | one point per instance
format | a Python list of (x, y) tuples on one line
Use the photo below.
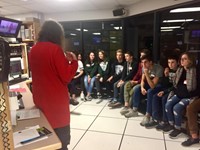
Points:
[(13, 7)]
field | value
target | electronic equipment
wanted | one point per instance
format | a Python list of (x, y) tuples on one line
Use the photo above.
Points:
[(9, 27), (15, 67), (4, 60), (119, 12)]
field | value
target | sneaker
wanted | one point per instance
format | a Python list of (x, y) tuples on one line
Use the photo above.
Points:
[(117, 105), (99, 96), (124, 110), (168, 128), (190, 142), (74, 102), (112, 103), (145, 120), (131, 113), (82, 96), (151, 124), (175, 133), (161, 126), (88, 98)]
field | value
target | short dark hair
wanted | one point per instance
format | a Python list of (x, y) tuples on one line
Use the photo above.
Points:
[(174, 57), (148, 57), (129, 53), (146, 51), (51, 31)]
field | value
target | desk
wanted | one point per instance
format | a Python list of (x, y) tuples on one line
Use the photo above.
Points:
[(52, 142)]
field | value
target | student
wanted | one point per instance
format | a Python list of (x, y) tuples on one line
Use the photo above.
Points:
[(103, 73), (192, 112), (185, 88), (116, 69), (51, 71), (151, 75), (129, 86), (130, 69), (90, 74), (160, 98), (76, 80)]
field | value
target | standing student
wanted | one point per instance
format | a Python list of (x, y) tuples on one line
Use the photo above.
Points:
[(51, 71)]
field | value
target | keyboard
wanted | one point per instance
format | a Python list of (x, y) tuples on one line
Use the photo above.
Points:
[(17, 80)]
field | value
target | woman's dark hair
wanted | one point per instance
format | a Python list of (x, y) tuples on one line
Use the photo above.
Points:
[(190, 57), (88, 56), (51, 31)]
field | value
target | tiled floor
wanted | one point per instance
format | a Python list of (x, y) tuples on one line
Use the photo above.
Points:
[(97, 127)]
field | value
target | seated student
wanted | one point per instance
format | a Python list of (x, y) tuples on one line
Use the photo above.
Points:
[(76, 80), (90, 74), (159, 99), (151, 75), (129, 86), (185, 88), (130, 69), (116, 69), (103, 73), (192, 112)]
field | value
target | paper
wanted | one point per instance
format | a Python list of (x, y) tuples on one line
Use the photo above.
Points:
[(13, 103), (28, 114), (13, 115), (24, 135)]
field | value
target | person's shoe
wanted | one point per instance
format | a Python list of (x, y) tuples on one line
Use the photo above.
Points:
[(151, 124), (190, 141), (175, 133), (112, 103), (99, 96), (161, 126), (168, 128), (82, 96), (131, 113), (124, 110), (145, 120), (88, 98), (74, 102), (117, 105)]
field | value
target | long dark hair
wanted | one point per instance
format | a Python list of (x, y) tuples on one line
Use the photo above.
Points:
[(52, 31)]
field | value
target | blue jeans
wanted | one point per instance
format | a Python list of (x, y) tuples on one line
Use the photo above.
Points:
[(150, 93), (174, 108), (117, 90), (136, 97), (158, 107), (89, 86)]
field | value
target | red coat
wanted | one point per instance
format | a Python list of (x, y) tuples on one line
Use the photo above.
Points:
[(51, 72)]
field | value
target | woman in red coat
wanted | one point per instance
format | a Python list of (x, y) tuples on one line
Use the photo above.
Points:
[(51, 71)]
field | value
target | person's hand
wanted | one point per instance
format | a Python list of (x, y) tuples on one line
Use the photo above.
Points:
[(101, 79), (70, 56), (133, 82), (146, 71), (160, 94), (98, 75), (109, 79), (143, 91), (89, 79)]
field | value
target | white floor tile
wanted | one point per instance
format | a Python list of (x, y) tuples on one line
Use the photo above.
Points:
[(94, 102), (99, 141), (134, 128), (75, 137), (111, 125), (177, 146), (72, 108), (139, 118), (108, 112), (81, 121), (88, 110), (136, 143)]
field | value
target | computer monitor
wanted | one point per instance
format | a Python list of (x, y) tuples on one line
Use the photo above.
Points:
[(15, 67), (9, 27)]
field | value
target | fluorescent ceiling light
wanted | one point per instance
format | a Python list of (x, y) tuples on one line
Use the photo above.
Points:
[(172, 27), (169, 30), (117, 28), (178, 20), (112, 37), (78, 29), (97, 33), (73, 34), (191, 9)]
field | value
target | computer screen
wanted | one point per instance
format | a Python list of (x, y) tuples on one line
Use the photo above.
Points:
[(9, 27), (15, 67)]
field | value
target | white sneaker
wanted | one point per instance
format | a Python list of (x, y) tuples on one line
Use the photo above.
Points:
[(82, 96), (145, 120)]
